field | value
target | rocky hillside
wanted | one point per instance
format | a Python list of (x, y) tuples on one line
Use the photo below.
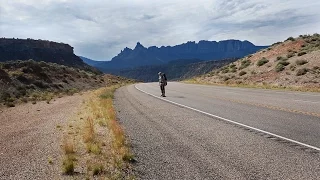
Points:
[(292, 64), (205, 50), (175, 70), (23, 81), (41, 50)]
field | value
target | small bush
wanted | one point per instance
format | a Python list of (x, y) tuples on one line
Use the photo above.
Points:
[(279, 67), (280, 58), (245, 63), (68, 166), (233, 70), (316, 68), (290, 55), (93, 148), (284, 63), (290, 39), (301, 53), (128, 158), (97, 169), (225, 71), (262, 61), (301, 62), (276, 43), (302, 71), (10, 104), (242, 73)]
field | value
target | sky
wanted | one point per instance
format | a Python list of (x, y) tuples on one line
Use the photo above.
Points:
[(100, 29)]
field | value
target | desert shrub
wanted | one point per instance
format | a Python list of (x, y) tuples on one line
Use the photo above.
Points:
[(301, 72), (280, 58), (233, 70), (290, 39), (289, 55), (276, 43), (68, 166), (97, 169), (226, 78), (245, 63), (4, 96), (301, 62), (241, 73), (301, 53), (279, 67), (128, 157), (41, 84), (225, 70), (284, 63), (65, 81), (10, 104), (262, 61)]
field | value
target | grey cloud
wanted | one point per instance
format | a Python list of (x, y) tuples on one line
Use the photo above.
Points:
[(100, 29)]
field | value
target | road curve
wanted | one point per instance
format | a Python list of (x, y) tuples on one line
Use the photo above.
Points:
[(172, 142)]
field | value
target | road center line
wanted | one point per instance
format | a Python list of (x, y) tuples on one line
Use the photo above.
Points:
[(233, 122)]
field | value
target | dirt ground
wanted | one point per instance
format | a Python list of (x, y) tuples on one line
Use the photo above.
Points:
[(31, 137)]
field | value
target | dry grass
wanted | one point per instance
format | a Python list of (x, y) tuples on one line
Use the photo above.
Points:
[(295, 73), (68, 162), (88, 131), (100, 142), (68, 146)]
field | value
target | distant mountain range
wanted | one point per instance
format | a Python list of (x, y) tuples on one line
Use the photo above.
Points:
[(204, 50), (41, 50), (89, 61)]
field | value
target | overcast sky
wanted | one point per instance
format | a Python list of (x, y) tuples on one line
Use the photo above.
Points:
[(100, 29)]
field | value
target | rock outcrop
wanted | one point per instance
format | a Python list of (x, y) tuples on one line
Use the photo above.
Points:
[(40, 50)]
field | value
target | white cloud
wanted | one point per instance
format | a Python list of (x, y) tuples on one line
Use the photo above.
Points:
[(100, 29)]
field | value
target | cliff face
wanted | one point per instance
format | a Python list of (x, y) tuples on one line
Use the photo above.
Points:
[(40, 50), (205, 50)]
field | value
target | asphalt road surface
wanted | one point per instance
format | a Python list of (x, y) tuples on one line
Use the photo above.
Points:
[(220, 132)]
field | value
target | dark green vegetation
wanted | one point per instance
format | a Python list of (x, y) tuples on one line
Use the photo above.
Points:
[(175, 70), (262, 61)]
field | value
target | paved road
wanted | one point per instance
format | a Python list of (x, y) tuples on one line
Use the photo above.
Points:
[(172, 142)]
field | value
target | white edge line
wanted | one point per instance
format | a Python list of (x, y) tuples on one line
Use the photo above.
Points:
[(233, 122)]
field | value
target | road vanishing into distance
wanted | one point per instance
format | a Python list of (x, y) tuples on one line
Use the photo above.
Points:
[(215, 132)]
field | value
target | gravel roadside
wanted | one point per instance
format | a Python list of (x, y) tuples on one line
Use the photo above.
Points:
[(30, 138), (171, 142)]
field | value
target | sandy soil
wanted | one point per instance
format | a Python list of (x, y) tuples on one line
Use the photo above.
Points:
[(31, 137)]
